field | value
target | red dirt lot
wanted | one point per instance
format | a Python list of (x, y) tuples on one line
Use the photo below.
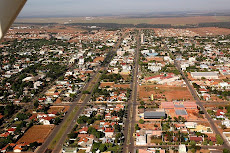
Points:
[(37, 133), (58, 109), (211, 31), (169, 92), (125, 86)]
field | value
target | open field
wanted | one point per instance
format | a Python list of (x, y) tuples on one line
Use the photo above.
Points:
[(127, 20), (213, 31), (58, 109), (125, 86), (36, 133), (168, 92)]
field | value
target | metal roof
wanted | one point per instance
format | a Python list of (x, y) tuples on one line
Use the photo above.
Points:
[(179, 106), (181, 112), (204, 73), (154, 113)]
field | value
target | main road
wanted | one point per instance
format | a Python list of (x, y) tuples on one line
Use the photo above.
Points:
[(131, 119), (72, 109)]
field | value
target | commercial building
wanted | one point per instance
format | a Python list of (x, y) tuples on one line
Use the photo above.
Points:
[(154, 115), (206, 75)]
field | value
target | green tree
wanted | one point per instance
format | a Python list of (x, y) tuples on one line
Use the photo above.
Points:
[(141, 121), (226, 150), (102, 147), (219, 140), (36, 104), (57, 120)]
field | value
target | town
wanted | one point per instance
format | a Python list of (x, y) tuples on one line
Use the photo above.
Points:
[(67, 88)]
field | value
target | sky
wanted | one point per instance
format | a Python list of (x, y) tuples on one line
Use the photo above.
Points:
[(48, 8)]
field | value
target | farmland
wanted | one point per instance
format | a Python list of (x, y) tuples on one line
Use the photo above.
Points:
[(129, 20)]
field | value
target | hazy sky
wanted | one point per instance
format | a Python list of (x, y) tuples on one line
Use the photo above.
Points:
[(117, 7)]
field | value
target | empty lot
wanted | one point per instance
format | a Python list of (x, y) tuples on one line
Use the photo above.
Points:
[(36, 133), (169, 92)]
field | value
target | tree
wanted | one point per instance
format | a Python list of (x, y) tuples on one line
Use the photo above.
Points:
[(219, 140), (205, 143), (210, 143), (9, 110), (226, 150), (72, 135), (57, 120), (193, 144), (36, 104), (102, 147), (141, 121), (85, 92), (137, 127)]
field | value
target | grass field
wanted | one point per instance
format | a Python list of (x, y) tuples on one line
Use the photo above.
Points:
[(127, 20)]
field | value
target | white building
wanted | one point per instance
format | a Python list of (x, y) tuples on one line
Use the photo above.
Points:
[(191, 125), (182, 148), (81, 61), (226, 123), (154, 67), (141, 140), (142, 38), (206, 75)]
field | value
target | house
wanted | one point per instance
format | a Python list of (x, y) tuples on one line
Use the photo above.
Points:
[(109, 132), (4, 149), (83, 130), (196, 138), (46, 120), (11, 130), (226, 123), (220, 114), (18, 148)]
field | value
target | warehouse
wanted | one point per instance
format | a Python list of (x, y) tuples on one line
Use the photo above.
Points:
[(154, 115), (206, 75)]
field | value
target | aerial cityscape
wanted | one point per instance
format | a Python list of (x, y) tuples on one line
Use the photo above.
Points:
[(133, 83)]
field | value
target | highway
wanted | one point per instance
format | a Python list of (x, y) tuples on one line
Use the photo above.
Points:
[(131, 119)]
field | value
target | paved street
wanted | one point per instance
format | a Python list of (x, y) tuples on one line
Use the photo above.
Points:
[(200, 104), (130, 124), (81, 106)]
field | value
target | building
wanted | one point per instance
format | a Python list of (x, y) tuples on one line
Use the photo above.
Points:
[(154, 115), (206, 75), (191, 125), (141, 140), (182, 148), (142, 38)]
